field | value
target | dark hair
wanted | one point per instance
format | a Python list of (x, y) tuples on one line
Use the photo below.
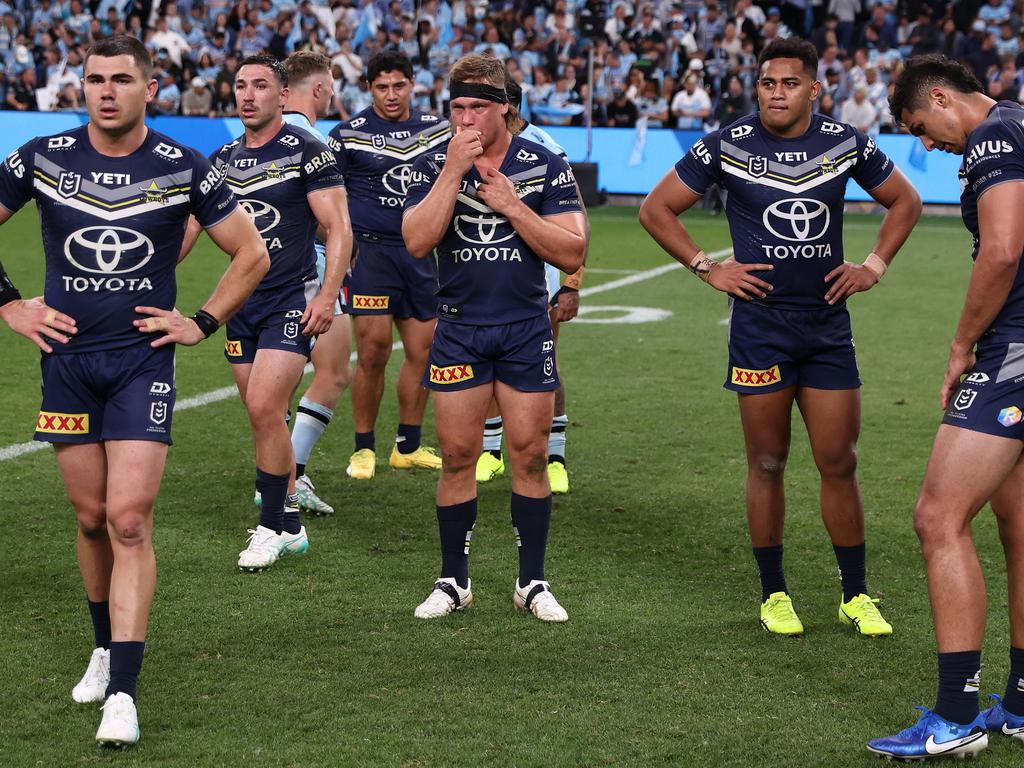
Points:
[(924, 72), (791, 48), (388, 61), (263, 60), (123, 45)]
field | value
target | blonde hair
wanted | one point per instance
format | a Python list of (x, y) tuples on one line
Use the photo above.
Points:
[(303, 64), (475, 68)]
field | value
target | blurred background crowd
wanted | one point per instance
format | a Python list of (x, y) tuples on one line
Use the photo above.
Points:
[(660, 63)]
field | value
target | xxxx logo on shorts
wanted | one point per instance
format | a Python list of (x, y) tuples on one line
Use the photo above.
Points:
[(750, 378), (450, 374), (63, 423), (370, 302), (233, 348)]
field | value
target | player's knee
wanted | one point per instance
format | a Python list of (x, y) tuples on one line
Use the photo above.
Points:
[(838, 466), (373, 355), (933, 524), (92, 520), (458, 459), (130, 529), (264, 415), (530, 457), (769, 466)]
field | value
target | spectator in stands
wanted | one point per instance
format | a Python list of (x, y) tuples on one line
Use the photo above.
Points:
[(860, 113), (734, 104), (21, 95), (691, 106), (198, 99), (621, 112), (986, 59), (168, 95), (164, 38), (653, 106)]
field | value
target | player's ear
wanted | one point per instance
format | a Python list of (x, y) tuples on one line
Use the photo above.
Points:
[(151, 88), (815, 90), (938, 97)]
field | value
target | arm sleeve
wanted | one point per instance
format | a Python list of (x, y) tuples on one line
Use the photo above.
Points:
[(994, 156), (338, 148), (212, 200), (425, 170), (16, 178), (873, 166), (560, 192), (319, 167), (701, 166)]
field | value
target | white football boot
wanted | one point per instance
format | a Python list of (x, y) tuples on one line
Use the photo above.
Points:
[(308, 500), (445, 597), (294, 543), (93, 685), (263, 550), (120, 724), (536, 597)]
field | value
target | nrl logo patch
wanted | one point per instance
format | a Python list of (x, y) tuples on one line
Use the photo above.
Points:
[(69, 183), (757, 166), (378, 141)]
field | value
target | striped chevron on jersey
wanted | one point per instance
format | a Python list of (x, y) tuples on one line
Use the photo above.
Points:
[(399, 149), (791, 178)]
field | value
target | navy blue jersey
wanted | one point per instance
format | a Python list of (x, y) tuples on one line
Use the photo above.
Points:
[(375, 157), (488, 275), (785, 197), (994, 154), (271, 183), (112, 226)]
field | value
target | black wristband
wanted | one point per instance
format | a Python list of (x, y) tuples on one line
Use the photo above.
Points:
[(8, 292), (207, 323), (559, 292)]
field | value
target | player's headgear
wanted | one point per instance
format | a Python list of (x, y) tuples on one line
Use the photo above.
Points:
[(924, 72), (483, 77)]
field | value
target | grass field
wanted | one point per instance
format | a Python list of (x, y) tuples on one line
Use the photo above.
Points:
[(320, 661)]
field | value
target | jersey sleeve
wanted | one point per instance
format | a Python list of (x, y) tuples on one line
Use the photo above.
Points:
[(701, 166), (320, 167), (425, 170), (16, 178), (560, 192), (873, 167), (212, 201), (338, 148), (994, 156)]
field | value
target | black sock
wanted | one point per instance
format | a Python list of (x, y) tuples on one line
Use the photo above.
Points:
[(1013, 700), (560, 459), (852, 570), (291, 522), (100, 613), (496, 454), (300, 469), (366, 440), (125, 664), (531, 519), (959, 675), (455, 524), (769, 566), (408, 440), (273, 490)]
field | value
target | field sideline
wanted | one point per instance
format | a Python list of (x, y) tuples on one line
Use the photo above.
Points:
[(320, 662)]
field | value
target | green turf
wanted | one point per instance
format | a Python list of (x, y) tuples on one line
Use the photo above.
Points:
[(320, 662)]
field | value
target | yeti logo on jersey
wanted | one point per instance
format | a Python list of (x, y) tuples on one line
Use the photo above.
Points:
[(830, 127), (757, 166), (482, 229), (397, 179), (378, 141), (166, 150), (60, 142), (965, 399), (741, 132), (263, 215), (158, 412), (526, 157), (797, 219), (107, 250), (69, 183)]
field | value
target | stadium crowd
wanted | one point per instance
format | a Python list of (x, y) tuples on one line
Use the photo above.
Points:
[(665, 63)]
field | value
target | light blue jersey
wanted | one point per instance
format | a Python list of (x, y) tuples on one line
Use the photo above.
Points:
[(552, 275)]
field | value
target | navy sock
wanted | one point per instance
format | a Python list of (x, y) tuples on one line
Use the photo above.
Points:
[(366, 440), (125, 664), (853, 570), (455, 524), (291, 522), (959, 675), (300, 469), (408, 440), (1013, 700), (531, 519), (769, 566), (100, 613), (273, 489)]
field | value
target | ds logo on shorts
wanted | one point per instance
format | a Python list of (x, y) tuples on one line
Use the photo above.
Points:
[(749, 378), (233, 348), (370, 302), (64, 423), (1010, 416), (450, 374)]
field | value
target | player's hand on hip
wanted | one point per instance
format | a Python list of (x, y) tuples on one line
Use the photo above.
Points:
[(960, 362), (739, 280), (175, 327), (34, 320), (849, 279), (498, 192), (318, 316), (463, 150)]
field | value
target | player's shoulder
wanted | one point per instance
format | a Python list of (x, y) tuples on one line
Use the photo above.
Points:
[(71, 140), (169, 154), (998, 137), (539, 136), (528, 153), (740, 130), (361, 122), (829, 128), (300, 121)]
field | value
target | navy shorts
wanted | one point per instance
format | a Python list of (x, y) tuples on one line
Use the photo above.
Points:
[(388, 280), (521, 355), (270, 320), (991, 398), (771, 349), (123, 394)]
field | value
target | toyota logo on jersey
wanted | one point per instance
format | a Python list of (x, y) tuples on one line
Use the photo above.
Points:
[(797, 219), (483, 229), (263, 215), (397, 179), (108, 250)]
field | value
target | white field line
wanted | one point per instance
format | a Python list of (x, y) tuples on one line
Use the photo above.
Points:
[(216, 395)]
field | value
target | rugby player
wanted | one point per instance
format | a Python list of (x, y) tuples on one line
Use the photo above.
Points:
[(786, 170), (977, 454), (289, 183), (31, 318), (309, 95), (496, 208), (564, 299), (375, 151), (113, 199)]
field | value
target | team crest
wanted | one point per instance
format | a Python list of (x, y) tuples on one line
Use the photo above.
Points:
[(158, 412), (272, 171), (757, 166), (69, 183), (964, 399), (378, 141), (826, 165), (154, 194), (291, 330), (422, 140)]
